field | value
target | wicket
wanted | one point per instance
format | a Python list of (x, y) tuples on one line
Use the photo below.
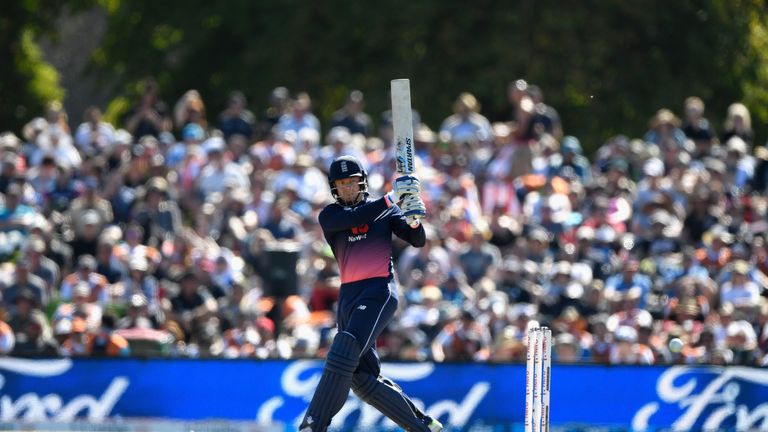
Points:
[(537, 379)]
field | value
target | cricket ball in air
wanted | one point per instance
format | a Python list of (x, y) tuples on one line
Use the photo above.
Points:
[(675, 345)]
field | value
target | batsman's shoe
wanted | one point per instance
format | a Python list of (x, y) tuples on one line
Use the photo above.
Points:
[(434, 425)]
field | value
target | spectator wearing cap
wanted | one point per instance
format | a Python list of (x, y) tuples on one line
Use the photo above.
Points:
[(466, 124), (739, 162), (139, 280), (236, 119), (352, 116), (24, 280), (24, 308), (191, 137), (716, 250), (537, 245), (738, 122), (93, 135), (653, 183), (33, 132), (9, 142), (86, 239), (738, 290), (665, 127), (80, 305), (570, 162), (85, 274), (90, 200), (741, 340)]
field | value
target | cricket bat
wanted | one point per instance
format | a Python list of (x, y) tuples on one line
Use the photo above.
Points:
[(402, 123)]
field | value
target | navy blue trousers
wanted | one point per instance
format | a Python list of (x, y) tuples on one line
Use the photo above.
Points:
[(365, 308)]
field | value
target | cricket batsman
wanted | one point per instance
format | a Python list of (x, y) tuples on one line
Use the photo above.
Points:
[(359, 230)]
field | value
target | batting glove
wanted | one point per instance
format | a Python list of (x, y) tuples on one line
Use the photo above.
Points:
[(406, 185), (413, 209)]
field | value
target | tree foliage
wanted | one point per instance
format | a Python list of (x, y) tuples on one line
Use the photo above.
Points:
[(27, 81), (606, 66)]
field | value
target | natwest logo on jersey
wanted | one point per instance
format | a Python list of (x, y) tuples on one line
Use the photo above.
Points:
[(359, 233)]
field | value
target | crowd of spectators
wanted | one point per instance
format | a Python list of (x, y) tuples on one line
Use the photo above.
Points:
[(167, 235)]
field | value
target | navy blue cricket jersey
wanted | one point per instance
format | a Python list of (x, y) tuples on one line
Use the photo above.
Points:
[(361, 237)]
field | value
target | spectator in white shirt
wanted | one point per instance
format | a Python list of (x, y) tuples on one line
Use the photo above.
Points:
[(739, 290), (93, 135)]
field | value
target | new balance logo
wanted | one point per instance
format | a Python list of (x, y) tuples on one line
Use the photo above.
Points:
[(361, 307)]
